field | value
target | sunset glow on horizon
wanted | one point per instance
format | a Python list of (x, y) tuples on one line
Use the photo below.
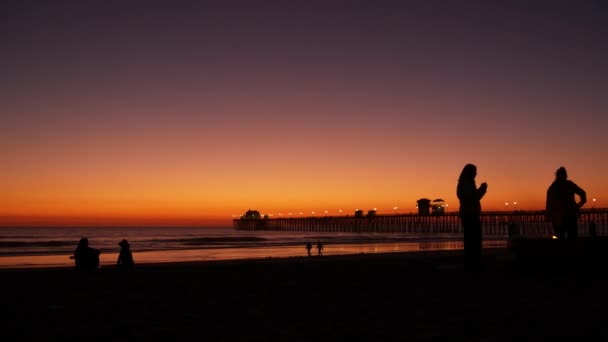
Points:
[(172, 115)]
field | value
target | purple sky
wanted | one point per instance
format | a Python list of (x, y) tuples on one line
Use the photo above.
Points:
[(517, 87)]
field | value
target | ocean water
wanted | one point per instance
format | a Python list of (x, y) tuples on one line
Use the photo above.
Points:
[(52, 246)]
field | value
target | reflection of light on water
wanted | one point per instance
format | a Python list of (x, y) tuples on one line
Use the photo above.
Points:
[(441, 245), (109, 259), (49, 260)]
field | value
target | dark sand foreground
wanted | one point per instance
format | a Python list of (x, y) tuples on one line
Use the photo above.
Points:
[(408, 297)]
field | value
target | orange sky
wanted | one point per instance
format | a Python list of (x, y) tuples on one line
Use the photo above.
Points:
[(114, 120), (137, 179)]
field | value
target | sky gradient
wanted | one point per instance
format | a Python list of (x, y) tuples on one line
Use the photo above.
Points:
[(188, 112)]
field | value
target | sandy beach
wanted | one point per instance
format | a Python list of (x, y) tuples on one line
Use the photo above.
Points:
[(397, 296)]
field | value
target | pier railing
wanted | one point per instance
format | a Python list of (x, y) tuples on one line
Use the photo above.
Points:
[(500, 223)]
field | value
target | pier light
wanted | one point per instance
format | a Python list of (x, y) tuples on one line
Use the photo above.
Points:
[(301, 213), (507, 204), (326, 212), (395, 208), (313, 212), (375, 209), (593, 203), (340, 211)]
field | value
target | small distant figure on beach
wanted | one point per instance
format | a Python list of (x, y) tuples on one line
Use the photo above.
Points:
[(562, 210), (125, 257), (470, 211), (85, 257), (308, 247), (319, 247)]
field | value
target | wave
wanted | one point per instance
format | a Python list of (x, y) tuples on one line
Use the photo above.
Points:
[(213, 240), (20, 244), (12, 237)]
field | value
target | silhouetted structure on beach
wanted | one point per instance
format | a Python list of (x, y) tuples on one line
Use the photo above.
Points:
[(438, 206), (85, 257), (253, 218), (371, 214), (496, 223), (251, 215), (424, 206), (358, 213)]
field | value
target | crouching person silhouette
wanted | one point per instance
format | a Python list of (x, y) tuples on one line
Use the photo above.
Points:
[(86, 258)]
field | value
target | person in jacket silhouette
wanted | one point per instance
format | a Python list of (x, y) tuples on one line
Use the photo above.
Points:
[(562, 210)]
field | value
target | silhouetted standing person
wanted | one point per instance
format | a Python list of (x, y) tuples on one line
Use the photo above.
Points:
[(470, 211), (125, 257), (319, 247), (85, 257), (308, 247), (562, 209)]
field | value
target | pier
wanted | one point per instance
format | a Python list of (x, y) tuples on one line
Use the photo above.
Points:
[(499, 223)]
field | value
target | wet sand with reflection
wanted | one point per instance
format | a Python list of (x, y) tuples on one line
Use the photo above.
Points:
[(215, 254)]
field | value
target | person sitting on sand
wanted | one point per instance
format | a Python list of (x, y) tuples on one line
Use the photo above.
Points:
[(308, 247), (319, 247), (85, 257), (125, 257)]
